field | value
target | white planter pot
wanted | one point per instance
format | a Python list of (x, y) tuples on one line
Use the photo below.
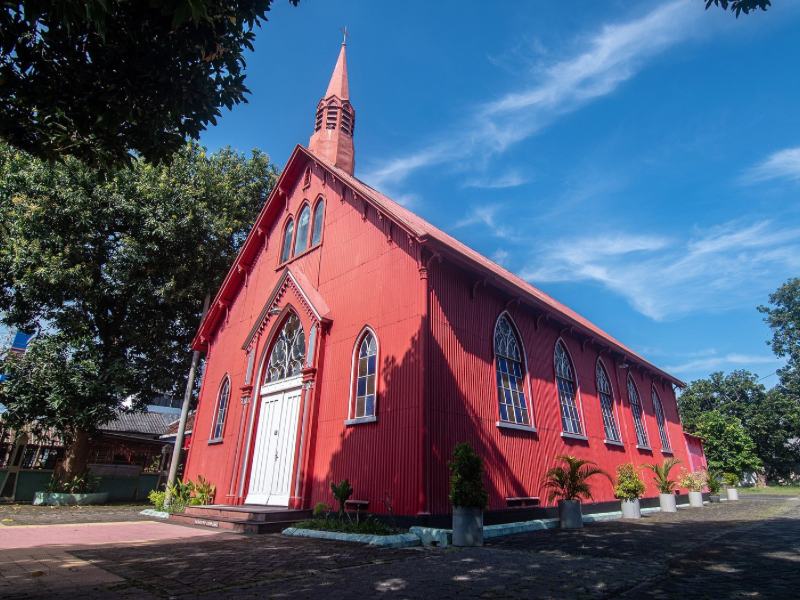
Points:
[(45, 499), (569, 514), (733, 494), (631, 509), (667, 502), (467, 526), (696, 499)]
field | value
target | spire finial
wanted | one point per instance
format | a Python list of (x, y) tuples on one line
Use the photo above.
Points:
[(346, 35)]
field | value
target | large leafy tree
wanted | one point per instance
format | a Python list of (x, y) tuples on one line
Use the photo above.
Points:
[(740, 6), (769, 419), (727, 446), (783, 317), (113, 268), (101, 79)]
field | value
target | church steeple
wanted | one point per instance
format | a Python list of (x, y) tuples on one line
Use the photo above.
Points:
[(335, 123)]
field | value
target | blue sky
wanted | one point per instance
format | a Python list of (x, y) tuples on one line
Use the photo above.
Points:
[(638, 161)]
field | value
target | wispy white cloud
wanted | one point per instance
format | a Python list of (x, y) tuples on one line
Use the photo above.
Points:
[(605, 60), (510, 179), (500, 256), (728, 360), (487, 216), (715, 269), (784, 164)]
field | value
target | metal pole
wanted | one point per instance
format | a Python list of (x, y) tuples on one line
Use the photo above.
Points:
[(187, 397)]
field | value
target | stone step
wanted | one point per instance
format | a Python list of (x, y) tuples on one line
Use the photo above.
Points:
[(247, 513), (236, 525)]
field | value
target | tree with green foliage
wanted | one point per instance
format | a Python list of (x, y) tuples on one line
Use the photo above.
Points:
[(102, 79), (784, 320), (467, 489), (740, 6), (727, 446), (770, 419), (113, 267)]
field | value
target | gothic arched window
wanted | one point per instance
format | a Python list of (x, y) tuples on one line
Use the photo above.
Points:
[(606, 404), (364, 374), (565, 381), (221, 409), (638, 414), (662, 425), (301, 239), (288, 353), (510, 375), (286, 252), (316, 226)]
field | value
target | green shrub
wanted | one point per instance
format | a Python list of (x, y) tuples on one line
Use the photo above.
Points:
[(661, 478), (692, 481), (369, 526), (321, 510), (570, 481), (466, 478), (342, 493), (157, 498), (730, 479), (712, 482), (629, 486)]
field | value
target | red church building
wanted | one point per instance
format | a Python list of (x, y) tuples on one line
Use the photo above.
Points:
[(352, 339)]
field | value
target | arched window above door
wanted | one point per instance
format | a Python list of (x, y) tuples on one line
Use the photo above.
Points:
[(288, 353)]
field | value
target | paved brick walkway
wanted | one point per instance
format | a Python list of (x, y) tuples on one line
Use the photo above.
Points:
[(745, 549), (25, 514)]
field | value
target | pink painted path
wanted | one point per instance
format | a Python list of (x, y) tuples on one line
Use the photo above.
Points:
[(38, 536)]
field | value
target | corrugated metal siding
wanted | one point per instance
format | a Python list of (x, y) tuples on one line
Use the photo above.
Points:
[(464, 402)]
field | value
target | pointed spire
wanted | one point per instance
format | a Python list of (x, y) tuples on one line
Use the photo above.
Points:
[(335, 120), (338, 85)]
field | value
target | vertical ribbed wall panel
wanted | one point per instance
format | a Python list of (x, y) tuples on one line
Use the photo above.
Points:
[(464, 397)]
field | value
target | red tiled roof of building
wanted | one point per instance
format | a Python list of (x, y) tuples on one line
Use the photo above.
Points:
[(172, 430)]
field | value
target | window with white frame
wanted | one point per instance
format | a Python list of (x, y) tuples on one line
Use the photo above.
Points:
[(570, 416), (222, 409), (316, 226), (365, 369), (303, 222), (510, 375), (606, 404), (662, 425), (286, 251), (289, 351), (638, 414)]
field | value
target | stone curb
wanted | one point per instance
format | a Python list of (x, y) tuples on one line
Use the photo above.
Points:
[(403, 540), (155, 513)]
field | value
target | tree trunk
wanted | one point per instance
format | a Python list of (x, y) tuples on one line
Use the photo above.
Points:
[(76, 458)]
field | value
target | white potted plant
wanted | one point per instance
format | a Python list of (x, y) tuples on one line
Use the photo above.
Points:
[(693, 481), (731, 480), (628, 489), (467, 495), (665, 485), (569, 484)]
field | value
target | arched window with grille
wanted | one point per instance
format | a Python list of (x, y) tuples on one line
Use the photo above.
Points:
[(365, 367), (606, 397), (567, 397), (638, 414), (301, 238), (316, 225), (662, 425), (223, 395), (512, 401), (286, 251), (288, 353)]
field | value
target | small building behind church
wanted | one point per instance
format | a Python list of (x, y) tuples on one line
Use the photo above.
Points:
[(354, 340)]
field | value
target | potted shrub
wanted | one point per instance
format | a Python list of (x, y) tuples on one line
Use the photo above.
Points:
[(693, 481), (665, 485), (569, 483), (713, 484), (731, 480), (467, 495), (81, 490), (628, 489)]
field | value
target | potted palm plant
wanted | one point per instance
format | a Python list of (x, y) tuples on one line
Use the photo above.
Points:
[(569, 483), (665, 485), (693, 481), (731, 480), (467, 495), (628, 489), (713, 484)]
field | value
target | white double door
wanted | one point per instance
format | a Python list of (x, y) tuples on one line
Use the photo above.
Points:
[(273, 457)]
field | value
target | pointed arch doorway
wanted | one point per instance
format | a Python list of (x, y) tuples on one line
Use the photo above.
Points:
[(276, 433)]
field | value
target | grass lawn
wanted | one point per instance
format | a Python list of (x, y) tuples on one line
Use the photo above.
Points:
[(772, 490)]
